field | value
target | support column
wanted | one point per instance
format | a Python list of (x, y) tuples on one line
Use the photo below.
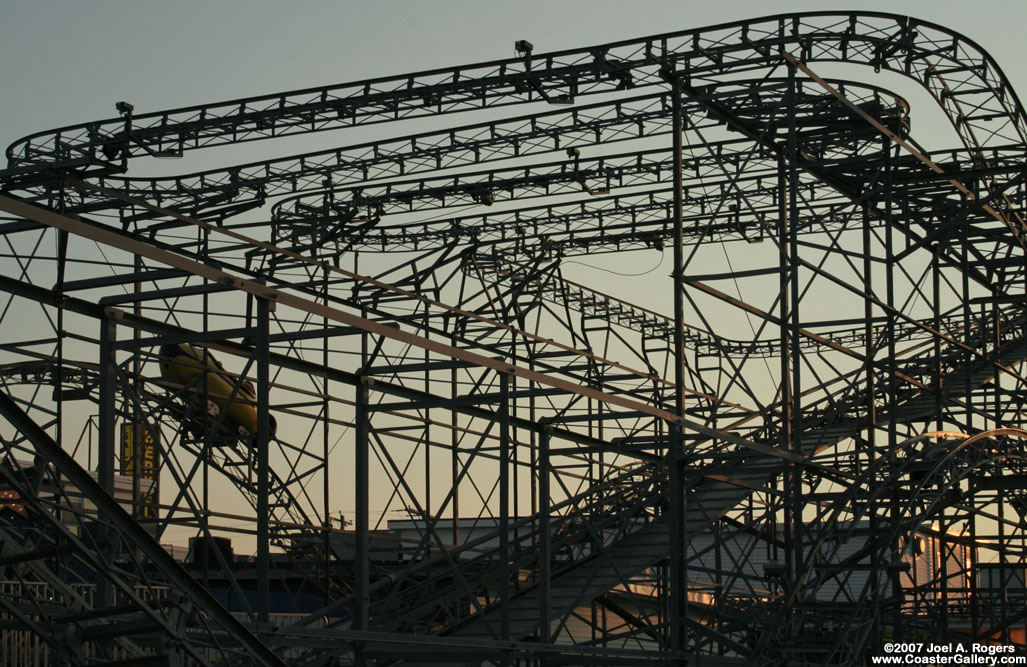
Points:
[(263, 474), (362, 501), (545, 546), (678, 611), (326, 483), (790, 369), (504, 506), (794, 352), (105, 448), (454, 449), (108, 391), (869, 343)]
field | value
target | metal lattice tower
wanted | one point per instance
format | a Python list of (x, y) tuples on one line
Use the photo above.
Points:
[(804, 441)]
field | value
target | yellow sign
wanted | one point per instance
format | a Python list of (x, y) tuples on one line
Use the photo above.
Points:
[(147, 451), (148, 499)]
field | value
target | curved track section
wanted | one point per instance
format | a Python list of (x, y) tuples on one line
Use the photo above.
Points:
[(741, 445)]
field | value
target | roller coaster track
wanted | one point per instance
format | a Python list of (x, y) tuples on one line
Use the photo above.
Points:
[(462, 235), (230, 453), (954, 69), (717, 490)]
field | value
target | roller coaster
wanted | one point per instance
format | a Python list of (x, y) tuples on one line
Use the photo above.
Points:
[(379, 372)]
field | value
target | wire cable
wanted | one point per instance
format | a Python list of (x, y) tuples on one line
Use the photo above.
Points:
[(618, 273)]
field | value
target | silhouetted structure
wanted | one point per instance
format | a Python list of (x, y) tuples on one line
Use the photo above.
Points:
[(813, 444)]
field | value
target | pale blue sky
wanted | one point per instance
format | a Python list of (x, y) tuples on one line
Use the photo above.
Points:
[(67, 62)]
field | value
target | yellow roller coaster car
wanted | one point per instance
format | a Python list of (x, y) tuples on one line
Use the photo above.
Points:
[(185, 365)]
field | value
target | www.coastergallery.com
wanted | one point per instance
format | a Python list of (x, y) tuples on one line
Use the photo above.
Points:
[(916, 653), (959, 659)]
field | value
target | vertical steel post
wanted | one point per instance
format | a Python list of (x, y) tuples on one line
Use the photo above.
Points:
[(511, 414), (362, 502), (936, 342), (790, 394), (777, 521), (794, 353), (454, 455), (106, 444), (208, 432), (868, 341), (262, 344), (326, 401), (108, 391), (784, 435), (62, 258), (427, 441), (889, 240), (675, 506), (545, 539), (995, 317), (504, 504), (893, 381), (968, 322), (138, 432)]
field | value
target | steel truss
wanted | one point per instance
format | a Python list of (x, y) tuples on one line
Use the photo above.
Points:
[(811, 446)]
